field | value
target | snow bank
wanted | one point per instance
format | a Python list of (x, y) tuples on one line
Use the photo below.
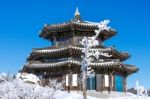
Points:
[(31, 78)]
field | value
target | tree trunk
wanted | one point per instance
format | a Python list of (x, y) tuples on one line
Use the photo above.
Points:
[(84, 83)]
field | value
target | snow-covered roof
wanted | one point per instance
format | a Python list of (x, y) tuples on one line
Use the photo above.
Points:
[(76, 50), (109, 65), (75, 25)]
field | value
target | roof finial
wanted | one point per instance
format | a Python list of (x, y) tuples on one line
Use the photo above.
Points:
[(77, 14)]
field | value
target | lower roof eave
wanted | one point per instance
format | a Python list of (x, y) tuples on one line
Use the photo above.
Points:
[(130, 69), (107, 66)]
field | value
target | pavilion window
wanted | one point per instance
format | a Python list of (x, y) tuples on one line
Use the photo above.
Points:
[(67, 78), (74, 80), (106, 78)]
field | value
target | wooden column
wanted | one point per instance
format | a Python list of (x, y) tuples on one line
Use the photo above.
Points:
[(78, 84), (70, 75), (69, 82), (64, 81), (114, 77), (113, 83), (98, 82), (102, 82), (110, 82), (125, 84)]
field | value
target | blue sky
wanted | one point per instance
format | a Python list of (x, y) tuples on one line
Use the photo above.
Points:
[(21, 21)]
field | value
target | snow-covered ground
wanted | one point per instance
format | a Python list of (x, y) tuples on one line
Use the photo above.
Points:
[(16, 88), (96, 95)]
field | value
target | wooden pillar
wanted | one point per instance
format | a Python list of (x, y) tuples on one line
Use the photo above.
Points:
[(64, 82), (102, 82), (125, 84), (98, 82), (110, 82), (114, 82), (69, 82), (69, 78), (78, 84)]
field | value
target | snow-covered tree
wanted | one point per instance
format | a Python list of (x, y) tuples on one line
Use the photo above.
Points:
[(16, 88), (55, 85), (87, 43), (141, 91)]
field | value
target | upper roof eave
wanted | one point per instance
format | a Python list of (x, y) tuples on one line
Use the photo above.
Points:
[(73, 25)]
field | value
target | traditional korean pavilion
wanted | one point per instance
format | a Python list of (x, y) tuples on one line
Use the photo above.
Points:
[(63, 59)]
